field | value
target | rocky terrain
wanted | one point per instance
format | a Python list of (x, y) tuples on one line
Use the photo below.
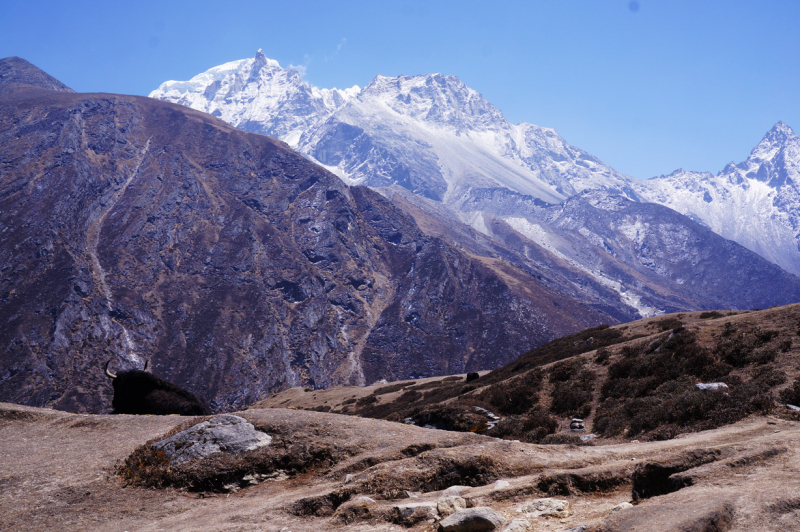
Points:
[(638, 380), (333, 472), (436, 138), (309, 459), (135, 229)]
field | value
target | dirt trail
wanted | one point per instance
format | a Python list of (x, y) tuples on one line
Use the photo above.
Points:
[(55, 474)]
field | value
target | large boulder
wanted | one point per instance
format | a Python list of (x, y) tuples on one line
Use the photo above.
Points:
[(478, 519), (225, 433)]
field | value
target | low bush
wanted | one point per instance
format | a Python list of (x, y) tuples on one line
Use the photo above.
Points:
[(451, 416), (529, 427), (514, 396), (791, 395), (573, 397), (149, 467)]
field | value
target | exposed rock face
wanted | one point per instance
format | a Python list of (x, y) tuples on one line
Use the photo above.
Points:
[(15, 71), (142, 229), (221, 434)]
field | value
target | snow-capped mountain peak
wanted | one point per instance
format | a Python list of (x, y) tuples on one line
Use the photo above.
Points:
[(775, 140), (258, 95), (434, 98)]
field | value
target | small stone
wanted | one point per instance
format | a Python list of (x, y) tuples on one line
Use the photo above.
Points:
[(502, 484), (792, 407), (620, 506), (450, 505), (413, 494), (517, 525), (546, 508), (348, 478), (478, 519), (711, 386), (586, 437), (575, 529), (455, 490)]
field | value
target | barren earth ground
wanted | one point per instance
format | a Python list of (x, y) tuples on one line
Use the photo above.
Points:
[(56, 474)]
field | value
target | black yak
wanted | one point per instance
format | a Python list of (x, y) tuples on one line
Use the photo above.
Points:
[(140, 392)]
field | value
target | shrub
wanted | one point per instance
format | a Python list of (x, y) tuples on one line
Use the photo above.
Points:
[(529, 427), (451, 416), (667, 324), (514, 396), (602, 356), (710, 315), (565, 370), (791, 395)]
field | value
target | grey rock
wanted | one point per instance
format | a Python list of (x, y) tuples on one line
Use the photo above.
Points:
[(546, 508), (412, 513), (478, 519), (225, 433), (455, 490), (711, 386), (620, 506), (586, 437), (450, 505), (575, 529), (517, 525), (792, 407)]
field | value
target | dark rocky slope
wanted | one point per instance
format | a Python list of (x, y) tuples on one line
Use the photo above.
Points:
[(132, 228)]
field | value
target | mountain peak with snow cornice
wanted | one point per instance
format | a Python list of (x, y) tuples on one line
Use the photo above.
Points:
[(434, 98), (257, 95)]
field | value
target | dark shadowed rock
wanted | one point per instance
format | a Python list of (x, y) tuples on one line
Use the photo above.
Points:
[(478, 519)]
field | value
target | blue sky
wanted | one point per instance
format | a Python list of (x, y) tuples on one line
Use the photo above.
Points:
[(647, 86)]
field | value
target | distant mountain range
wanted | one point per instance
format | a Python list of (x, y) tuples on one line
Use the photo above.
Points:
[(434, 136), (135, 229)]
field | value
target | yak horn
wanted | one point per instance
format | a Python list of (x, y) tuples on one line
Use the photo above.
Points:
[(110, 375), (146, 362)]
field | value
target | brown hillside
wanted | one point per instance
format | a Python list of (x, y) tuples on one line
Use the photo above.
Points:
[(633, 381)]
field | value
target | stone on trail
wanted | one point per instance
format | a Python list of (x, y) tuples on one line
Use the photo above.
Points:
[(449, 505), (225, 433), (478, 519), (455, 490), (546, 508), (620, 506), (517, 525)]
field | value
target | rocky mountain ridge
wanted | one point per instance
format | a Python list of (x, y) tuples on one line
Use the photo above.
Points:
[(755, 202), (441, 140), (137, 229)]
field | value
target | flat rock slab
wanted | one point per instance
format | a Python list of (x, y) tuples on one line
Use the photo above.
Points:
[(546, 508), (478, 519), (221, 434)]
